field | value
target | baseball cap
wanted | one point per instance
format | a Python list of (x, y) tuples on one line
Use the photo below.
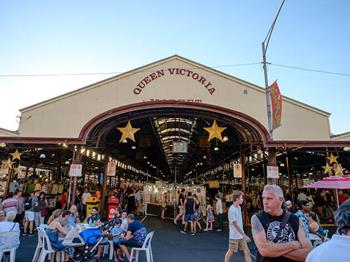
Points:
[(303, 202), (288, 202)]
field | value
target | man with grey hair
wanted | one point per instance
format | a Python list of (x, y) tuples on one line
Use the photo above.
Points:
[(278, 234), (336, 249), (8, 224)]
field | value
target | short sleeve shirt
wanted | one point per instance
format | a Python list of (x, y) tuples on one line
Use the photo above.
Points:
[(235, 215)]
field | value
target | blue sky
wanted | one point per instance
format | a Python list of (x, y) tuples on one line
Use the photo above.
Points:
[(48, 37)]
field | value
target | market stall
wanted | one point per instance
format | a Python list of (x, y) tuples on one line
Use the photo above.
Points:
[(160, 195)]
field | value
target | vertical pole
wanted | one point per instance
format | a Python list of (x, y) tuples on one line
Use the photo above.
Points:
[(104, 188), (267, 92), (289, 173), (242, 160), (75, 160)]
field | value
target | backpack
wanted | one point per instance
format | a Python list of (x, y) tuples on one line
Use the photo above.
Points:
[(28, 204)]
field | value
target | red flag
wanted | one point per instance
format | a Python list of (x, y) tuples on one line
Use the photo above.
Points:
[(276, 104)]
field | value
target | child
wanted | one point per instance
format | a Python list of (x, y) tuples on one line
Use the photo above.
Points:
[(210, 218), (117, 233), (164, 203)]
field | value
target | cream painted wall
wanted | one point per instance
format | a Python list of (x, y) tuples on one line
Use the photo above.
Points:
[(4, 132), (341, 137), (66, 115)]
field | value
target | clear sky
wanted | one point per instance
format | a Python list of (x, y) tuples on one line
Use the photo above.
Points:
[(50, 37)]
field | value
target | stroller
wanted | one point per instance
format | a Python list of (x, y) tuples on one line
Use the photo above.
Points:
[(92, 240)]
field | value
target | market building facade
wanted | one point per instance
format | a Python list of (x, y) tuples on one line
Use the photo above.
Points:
[(172, 103)]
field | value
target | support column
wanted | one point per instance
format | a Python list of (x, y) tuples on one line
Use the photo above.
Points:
[(290, 173), (242, 160), (104, 188), (272, 161), (76, 160)]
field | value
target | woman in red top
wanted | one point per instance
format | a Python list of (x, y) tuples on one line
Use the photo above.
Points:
[(64, 199)]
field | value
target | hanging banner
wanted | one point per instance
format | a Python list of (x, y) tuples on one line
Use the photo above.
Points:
[(272, 172), (111, 168), (237, 170), (276, 104), (75, 170)]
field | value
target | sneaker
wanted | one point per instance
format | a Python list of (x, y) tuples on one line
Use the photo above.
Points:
[(31, 234), (192, 234), (24, 234), (183, 232), (219, 230), (205, 230)]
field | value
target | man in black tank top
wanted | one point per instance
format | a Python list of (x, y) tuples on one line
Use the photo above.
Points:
[(189, 212), (278, 234)]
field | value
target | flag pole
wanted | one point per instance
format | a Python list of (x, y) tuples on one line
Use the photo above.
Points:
[(264, 46)]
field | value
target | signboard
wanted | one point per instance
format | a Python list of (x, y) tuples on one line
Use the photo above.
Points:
[(75, 170), (111, 166), (237, 170), (214, 184), (272, 172), (179, 147)]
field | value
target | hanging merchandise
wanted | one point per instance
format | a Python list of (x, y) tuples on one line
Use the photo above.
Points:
[(215, 131), (128, 132)]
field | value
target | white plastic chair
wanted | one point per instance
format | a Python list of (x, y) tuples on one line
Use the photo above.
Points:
[(9, 243), (46, 247), (147, 247), (39, 246), (109, 248)]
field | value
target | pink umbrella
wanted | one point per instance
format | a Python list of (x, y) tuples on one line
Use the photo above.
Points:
[(332, 182)]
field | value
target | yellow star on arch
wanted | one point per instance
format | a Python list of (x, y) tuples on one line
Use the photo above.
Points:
[(338, 170), (328, 169), (17, 170), (128, 132), (215, 131), (16, 155), (9, 163), (332, 159)]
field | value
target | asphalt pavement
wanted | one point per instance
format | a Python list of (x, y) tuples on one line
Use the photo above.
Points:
[(168, 244)]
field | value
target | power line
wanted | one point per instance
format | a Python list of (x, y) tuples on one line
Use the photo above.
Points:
[(310, 69), (109, 73), (218, 66)]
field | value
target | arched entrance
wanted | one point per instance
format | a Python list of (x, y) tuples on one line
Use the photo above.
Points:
[(165, 122)]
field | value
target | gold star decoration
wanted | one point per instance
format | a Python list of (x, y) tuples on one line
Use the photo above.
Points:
[(328, 169), (332, 159), (17, 170), (215, 131), (16, 155), (338, 170), (128, 132), (9, 163)]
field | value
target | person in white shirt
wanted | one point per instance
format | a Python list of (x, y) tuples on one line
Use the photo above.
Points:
[(8, 224), (237, 238), (336, 249), (84, 198), (219, 212)]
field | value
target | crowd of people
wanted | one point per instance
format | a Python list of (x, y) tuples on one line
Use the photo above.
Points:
[(33, 211), (281, 230)]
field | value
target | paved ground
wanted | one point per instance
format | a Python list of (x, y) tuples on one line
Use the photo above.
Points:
[(168, 244)]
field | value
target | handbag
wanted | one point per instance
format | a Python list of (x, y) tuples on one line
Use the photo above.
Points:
[(44, 212)]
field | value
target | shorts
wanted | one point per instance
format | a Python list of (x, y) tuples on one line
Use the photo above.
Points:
[(235, 244), (130, 243), (189, 217), (29, 215)]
